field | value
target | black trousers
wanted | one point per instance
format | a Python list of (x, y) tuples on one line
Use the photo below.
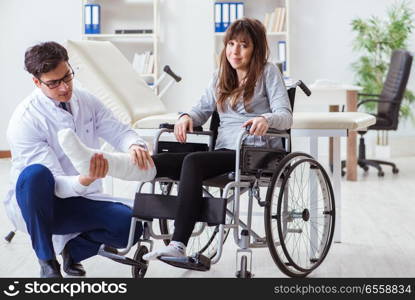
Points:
[(191, 169)]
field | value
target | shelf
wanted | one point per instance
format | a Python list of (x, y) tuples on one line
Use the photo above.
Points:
[(148, 75), (115, 36), (118, 15), (276, 33)]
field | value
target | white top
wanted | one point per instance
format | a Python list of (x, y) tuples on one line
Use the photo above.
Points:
[(32, 136)]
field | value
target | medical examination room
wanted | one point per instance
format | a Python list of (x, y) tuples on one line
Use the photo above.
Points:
[(292, 122)]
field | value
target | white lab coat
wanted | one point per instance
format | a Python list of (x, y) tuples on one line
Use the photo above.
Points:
[(32, 136)]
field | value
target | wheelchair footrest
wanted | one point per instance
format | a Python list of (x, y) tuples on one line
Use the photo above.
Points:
[(153, 206), (197, 262), (112, 254)]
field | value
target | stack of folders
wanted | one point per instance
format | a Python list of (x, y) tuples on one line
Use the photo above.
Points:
[(274, 22), (144, 63), (226, 13), (92, 18)]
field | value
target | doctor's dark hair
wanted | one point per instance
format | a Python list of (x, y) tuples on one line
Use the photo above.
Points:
[(253, 31), (44, 57)]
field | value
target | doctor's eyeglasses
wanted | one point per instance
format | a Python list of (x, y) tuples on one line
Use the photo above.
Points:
[(53, 84)]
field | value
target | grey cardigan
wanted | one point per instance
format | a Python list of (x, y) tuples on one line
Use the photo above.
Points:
[(270, 100)]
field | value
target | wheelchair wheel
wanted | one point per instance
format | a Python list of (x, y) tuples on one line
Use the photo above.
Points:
[(207, 242), (137, 271), (299, 215)]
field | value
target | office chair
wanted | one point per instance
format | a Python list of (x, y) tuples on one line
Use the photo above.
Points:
[(389, 102)]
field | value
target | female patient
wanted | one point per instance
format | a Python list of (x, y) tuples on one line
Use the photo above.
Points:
[(246, 90)]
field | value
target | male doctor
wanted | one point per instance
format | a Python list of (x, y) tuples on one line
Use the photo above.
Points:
[(65, 212)]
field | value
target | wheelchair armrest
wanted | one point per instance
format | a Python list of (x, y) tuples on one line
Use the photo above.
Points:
[(270, 131), (171, 127), (276, 131)]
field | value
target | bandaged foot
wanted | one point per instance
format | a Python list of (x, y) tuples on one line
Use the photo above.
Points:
[(174, 249), (119, 164)]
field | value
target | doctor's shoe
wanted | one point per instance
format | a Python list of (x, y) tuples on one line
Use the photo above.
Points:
[(70, 267), (50, 269)]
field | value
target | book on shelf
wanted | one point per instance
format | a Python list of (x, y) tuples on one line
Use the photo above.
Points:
[(271, 22), (266, 20), (281, 19), (232, 12), (274, 21), (225, 15), (218, 17)]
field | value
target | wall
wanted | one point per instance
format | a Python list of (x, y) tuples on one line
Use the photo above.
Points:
[(22, 24), (186, 44), (321, 43)]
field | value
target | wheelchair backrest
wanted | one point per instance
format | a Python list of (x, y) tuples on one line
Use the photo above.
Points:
[(215, 120)]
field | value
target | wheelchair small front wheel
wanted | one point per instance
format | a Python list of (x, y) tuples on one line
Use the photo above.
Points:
[(300, 215), (140, 271), (243, 272)]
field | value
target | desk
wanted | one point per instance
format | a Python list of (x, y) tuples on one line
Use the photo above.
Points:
[(334, 125), (335, 96)]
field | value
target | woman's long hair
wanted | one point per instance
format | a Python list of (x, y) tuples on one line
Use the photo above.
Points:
[(228, 83)]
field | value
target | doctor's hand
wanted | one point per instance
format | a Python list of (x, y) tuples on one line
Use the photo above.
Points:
[(259, 126), (184, 124), (98, 168), (141, 157)]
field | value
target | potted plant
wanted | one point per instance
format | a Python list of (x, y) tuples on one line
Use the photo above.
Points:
[(376, 39)]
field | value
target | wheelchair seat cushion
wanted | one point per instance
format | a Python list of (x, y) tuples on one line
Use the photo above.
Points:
[(219, 181)]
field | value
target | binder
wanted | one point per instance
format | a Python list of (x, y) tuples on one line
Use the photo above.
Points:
[(282, 55), (225, 15), (88, 19), (92, 18), (233, 10), (240, 10), (218, 17), (96, 18)]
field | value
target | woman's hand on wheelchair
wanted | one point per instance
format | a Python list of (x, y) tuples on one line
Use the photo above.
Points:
[(258, 126), (183, 125)]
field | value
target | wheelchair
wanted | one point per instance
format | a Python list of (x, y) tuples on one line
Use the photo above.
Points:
[(298, 208)]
